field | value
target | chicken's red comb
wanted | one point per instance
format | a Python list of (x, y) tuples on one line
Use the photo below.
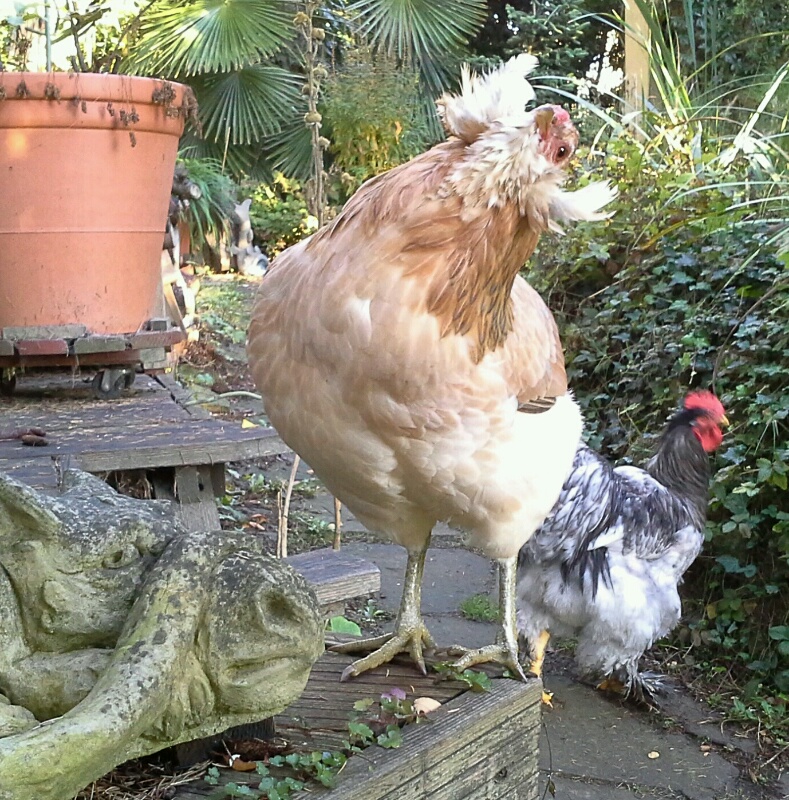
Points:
[(702, 398), (560, 115)]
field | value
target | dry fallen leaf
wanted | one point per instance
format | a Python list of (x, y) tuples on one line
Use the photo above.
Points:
[(653, 754), (424, 705), (239, 765)]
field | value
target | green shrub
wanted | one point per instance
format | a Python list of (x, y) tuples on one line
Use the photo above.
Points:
[(209, 215), (376, 118), (279, 214), (683, 287)]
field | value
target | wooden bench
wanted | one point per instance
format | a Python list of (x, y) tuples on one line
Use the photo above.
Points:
[(336, 577), (153, 429)]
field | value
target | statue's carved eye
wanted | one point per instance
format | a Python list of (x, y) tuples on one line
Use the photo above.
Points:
[(125, 555)]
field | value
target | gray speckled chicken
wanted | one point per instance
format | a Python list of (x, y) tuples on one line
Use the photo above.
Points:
[(605, 564)]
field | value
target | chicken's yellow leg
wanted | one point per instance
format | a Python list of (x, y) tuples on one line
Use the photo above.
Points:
[(505, 650), (538, 653), (410, 634), (538, 659)]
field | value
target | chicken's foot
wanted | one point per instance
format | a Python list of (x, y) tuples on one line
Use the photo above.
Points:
[(505, 650), (645, 687), (612, 685), (410, 634), (630, 684)]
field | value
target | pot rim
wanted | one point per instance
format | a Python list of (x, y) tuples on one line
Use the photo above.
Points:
[(93, 86)]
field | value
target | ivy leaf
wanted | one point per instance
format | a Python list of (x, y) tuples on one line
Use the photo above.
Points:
[(779, 632), (361, 730), (729, 564), (392, 738)]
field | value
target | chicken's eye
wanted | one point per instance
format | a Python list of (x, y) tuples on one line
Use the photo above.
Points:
[(561, 152)]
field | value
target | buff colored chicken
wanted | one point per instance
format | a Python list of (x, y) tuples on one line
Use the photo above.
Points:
[(401, 356)]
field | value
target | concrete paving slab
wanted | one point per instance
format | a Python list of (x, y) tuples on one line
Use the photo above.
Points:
[(451, 575), (699, 720), (591, 738), (450, 630), (573, 789)]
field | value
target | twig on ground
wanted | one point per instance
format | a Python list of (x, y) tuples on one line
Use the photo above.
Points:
[(337, 524), (282, 529)]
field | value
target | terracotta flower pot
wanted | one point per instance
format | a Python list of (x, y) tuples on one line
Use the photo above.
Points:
[(86, 168)]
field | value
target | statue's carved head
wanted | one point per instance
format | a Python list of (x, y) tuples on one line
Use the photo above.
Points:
[(264, 628), (76, 560), (259, 632)]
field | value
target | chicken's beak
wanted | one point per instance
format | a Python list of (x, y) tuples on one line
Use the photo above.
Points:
[(544, 117), (725, 421)]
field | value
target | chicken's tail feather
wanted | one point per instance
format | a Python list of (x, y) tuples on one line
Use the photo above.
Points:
[(483, 99)]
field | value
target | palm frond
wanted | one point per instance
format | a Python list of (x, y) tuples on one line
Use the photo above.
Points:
[(420, 32), (178, 39), (290, 151), (247, 104), (240, 160)]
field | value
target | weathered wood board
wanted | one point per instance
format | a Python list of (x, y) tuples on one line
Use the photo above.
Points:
[(336, 575), (476, 746), (149, 428)]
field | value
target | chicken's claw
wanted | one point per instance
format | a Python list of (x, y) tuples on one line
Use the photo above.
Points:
[(410, 634), (645, 687), (505, 650), (501, 653), (414, 640), (639, 687), (547, 698)]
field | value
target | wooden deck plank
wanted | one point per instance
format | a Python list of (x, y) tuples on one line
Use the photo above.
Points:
[(464, 753), (68, 399), (190, 442), (94, 413), (181, 395), (340, 574), (480, 746), (149, 428), (327, 703), (39, 472)]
